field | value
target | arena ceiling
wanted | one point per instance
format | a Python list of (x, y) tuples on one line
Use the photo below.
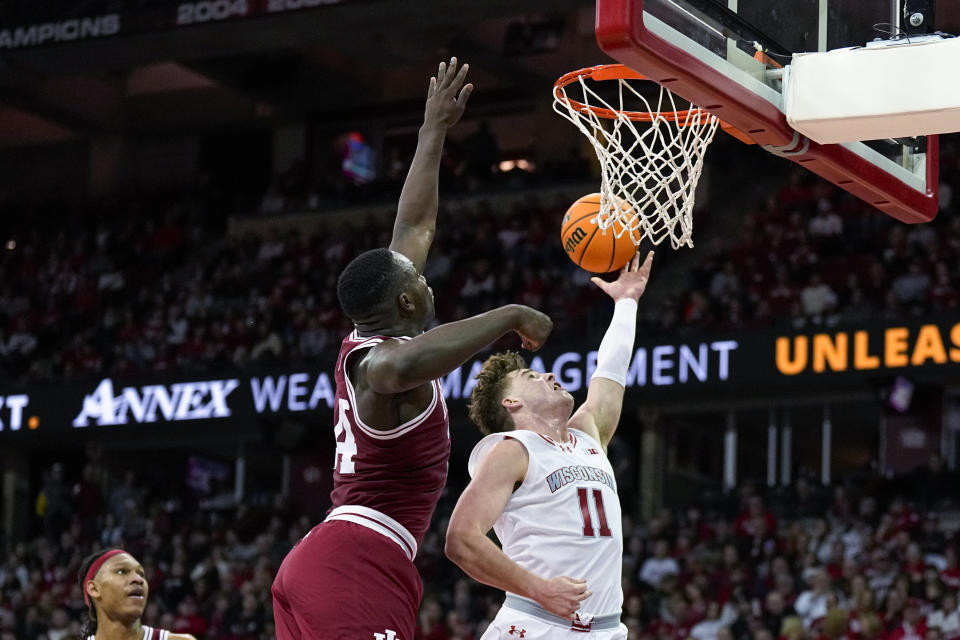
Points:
[(338, 64)]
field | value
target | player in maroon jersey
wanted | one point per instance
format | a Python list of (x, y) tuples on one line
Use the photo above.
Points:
[(352, 576), (115, 592)]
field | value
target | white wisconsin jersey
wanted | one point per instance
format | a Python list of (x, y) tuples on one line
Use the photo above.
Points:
[(564, 519)]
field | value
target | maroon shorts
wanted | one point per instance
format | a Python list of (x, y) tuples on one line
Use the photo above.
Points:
[(343, 581)]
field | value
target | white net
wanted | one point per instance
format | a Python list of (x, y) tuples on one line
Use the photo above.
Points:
[(651, 156)]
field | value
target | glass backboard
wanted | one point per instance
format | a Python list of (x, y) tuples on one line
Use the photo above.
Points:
[(726, 56)]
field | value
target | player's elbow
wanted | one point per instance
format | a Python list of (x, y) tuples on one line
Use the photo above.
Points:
[(457, 547)]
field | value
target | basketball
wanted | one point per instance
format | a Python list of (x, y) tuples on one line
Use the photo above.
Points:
[(591, 248)]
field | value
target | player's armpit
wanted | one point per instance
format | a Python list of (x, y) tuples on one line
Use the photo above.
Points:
[(469, 547), (383, 368), (599, 415), (483, 500), (478, 508)]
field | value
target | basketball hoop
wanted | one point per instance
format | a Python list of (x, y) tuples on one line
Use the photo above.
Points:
[(654, 169)]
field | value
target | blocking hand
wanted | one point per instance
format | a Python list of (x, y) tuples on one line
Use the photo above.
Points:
[(447, 96)]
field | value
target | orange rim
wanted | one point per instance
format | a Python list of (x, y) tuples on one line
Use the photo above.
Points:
[(686, 117)]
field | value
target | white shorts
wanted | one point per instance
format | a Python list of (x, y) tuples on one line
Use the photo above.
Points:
[(513, 625)]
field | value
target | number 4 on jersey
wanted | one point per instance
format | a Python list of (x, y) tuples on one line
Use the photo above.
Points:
[(346, 448), (587, 516)]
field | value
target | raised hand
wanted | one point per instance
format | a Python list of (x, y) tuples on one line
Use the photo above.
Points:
[(562, 595), (447, 96), (632, 280), (533, 327)]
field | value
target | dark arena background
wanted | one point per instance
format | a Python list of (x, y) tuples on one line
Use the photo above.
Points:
[(181, 184)]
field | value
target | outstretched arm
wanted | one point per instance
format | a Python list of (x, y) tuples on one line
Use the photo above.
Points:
[(469, 547), (395, 366), (416, 220), (599, 415)]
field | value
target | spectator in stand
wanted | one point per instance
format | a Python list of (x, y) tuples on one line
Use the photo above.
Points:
[(950, 571), (826, 223), (835, 624), (913, 626), (943, 293), (817, 297), (812, 604), (775, 611), (755, 520), (806, 501), (912, 287), (726, 282), (826, 228), (871, 627), (127, 299), (947, 617), (660, 565), (53, 503), (206, 573), (792, 629), (718, 617)]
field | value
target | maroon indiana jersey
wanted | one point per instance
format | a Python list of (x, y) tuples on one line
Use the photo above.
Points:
[(399, 472)]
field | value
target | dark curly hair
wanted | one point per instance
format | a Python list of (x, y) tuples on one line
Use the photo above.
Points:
[(368, 282), (485, 406)]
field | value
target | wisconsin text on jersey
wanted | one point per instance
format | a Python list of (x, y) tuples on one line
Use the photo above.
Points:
[(578, 473)]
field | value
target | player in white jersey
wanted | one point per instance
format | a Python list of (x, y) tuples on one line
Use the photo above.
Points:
[(541, 479)]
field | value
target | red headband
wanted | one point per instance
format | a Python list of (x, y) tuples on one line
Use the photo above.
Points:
[(92, 571)]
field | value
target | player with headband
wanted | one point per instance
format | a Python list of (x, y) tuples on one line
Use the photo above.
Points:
[(115, 592)]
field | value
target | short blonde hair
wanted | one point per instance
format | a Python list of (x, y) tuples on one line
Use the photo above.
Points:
[(485, 407)]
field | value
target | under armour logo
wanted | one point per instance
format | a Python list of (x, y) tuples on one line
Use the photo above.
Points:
[(388, 634), (518, 632), (581, 623)]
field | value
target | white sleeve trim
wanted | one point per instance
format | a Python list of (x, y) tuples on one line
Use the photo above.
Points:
[(616, 348)]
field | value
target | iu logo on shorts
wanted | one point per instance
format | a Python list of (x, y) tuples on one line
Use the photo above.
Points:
[(517, 632), (388, 634)]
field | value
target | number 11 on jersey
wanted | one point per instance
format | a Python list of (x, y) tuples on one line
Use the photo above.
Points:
[(582, 493), (347, 448)]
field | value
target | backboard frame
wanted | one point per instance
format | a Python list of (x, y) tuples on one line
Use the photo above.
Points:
[(644, 43)]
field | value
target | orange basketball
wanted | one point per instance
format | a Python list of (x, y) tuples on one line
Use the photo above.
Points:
[(591, 248)]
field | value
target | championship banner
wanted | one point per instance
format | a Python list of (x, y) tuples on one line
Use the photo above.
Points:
[(39, 25), (749, 365)]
